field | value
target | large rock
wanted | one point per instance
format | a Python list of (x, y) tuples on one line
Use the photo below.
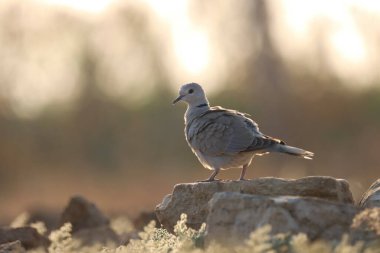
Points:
[(233, 216), (89, 224), (192, 198), (83, 214), (371, 197), (28, 236)]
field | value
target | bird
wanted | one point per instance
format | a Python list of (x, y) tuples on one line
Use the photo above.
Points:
[(224, 138)]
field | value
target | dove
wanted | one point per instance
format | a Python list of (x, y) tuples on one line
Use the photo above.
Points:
[(224, 138)]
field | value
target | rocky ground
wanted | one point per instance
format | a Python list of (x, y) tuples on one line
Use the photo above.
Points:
[(320, 207)]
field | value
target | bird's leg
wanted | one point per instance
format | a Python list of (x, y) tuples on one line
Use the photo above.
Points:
[(245, 166), (212, 177)]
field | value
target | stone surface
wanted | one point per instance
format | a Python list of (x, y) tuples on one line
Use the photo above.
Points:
[(83, 214), (366, 225), (371, 198), (126, 238), (12, 247), (192, 198), (49, 217), (103, 235), (29, 237), (233, 216)]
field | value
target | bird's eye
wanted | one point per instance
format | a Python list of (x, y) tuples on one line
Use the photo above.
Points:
[(191, 91)]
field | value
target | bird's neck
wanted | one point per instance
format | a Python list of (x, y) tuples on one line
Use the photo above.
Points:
[(194, 111)]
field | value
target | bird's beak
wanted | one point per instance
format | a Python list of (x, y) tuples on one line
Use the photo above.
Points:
[(178, 99)]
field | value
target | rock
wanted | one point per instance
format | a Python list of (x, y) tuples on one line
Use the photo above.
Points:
[(143, 219), (366, 225), (127, 237), (49, 217), (233, 216), (89, 225), (28, 236), (12, 247), (371, 197), (103, 235), (192, 198), (83, 214)]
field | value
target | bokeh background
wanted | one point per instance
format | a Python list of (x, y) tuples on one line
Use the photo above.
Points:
[(86, 89)]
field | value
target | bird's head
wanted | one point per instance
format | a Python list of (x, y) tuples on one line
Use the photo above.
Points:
[(192, 94)]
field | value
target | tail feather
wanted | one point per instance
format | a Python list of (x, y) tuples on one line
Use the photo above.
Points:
[(294, 151)]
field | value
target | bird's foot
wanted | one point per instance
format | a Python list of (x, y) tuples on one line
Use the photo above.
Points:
[(208, 180), (242, 179)]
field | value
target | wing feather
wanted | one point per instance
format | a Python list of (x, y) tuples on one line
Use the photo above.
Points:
[(221, 131)]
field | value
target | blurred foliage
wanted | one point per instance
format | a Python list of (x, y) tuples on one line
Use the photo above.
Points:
[(187, 240)]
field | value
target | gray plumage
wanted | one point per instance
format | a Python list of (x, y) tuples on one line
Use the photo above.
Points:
[(223, 138)]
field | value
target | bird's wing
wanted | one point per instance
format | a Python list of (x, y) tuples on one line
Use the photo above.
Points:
[(221, 131)]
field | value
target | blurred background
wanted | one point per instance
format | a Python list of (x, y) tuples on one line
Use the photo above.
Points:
[(86, 90)]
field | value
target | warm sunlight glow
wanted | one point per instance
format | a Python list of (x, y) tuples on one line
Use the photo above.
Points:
[(349, 44), (192, 51), (344, 39), (82, 5), (191, 47), (169, 9)]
